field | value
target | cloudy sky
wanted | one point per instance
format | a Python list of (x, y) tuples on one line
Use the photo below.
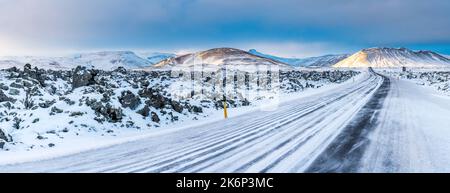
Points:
[(283, 27)]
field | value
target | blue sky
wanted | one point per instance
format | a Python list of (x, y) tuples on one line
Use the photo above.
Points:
[(283, 27)]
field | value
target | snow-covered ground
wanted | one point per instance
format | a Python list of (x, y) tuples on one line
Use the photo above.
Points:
[(49, 113), (244, 124), (375, 122), (413, 132), (436, 78)]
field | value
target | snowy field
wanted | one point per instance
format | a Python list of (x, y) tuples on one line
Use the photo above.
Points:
[(374, 121), (435, 78), (46, 114)]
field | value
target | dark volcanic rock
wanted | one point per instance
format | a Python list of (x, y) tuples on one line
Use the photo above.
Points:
[(176, 106), (146, 93), (15, 85), (4, 138), (56, 110), (113, 114), (83, 77), (196, 109), (157, 101), (128, 99), (14, 92), (4, 98), (3, 87), (36, 74), (121, 70), (110, 113), (144, 111), (47, 104), (172, 117), (27, 68), (155, 117), (245, 102)]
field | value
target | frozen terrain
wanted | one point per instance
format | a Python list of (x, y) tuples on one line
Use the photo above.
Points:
[(375, 123), (439, 79), (49, 111), (156, 112), (413, 132)]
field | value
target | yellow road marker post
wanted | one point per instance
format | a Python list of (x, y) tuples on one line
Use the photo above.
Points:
[(225, 111)]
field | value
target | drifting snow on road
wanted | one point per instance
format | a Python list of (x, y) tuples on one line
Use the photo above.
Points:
[(403, 128), (413, 132), (377, 124)]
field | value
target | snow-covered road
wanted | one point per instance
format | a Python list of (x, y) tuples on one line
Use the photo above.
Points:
[(376, 125), (412, 133)]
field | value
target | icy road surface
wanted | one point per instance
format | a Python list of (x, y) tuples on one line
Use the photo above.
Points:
[(378, 124)]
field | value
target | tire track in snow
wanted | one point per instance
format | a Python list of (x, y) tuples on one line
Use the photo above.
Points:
[(211, 148), (198, 150), (223, 133), (235, 146), (310, 126), (345, 152), (319, 128)]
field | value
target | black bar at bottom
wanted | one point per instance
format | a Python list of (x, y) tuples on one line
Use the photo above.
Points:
[(208, 182)]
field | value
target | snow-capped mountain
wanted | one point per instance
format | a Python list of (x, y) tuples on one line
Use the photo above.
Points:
[(319, 61), (323, 61), (100, 60), (155, 57), (56, 63), (394, 57), (113, 60), (290, 61), (158, 57), (214, 58)]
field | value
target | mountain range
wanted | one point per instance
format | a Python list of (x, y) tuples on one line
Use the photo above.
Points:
[(101, 60), (155, 57), (319, 61), (214, 58)]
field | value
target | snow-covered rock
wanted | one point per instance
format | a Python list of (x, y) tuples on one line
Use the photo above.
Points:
[(81, 102), (43, 108), (393, 57), (439, 80)]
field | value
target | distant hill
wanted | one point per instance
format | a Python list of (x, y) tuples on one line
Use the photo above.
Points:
[(217, 57), (394, 57), (155, 57), (319, 61), (101, 60)]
